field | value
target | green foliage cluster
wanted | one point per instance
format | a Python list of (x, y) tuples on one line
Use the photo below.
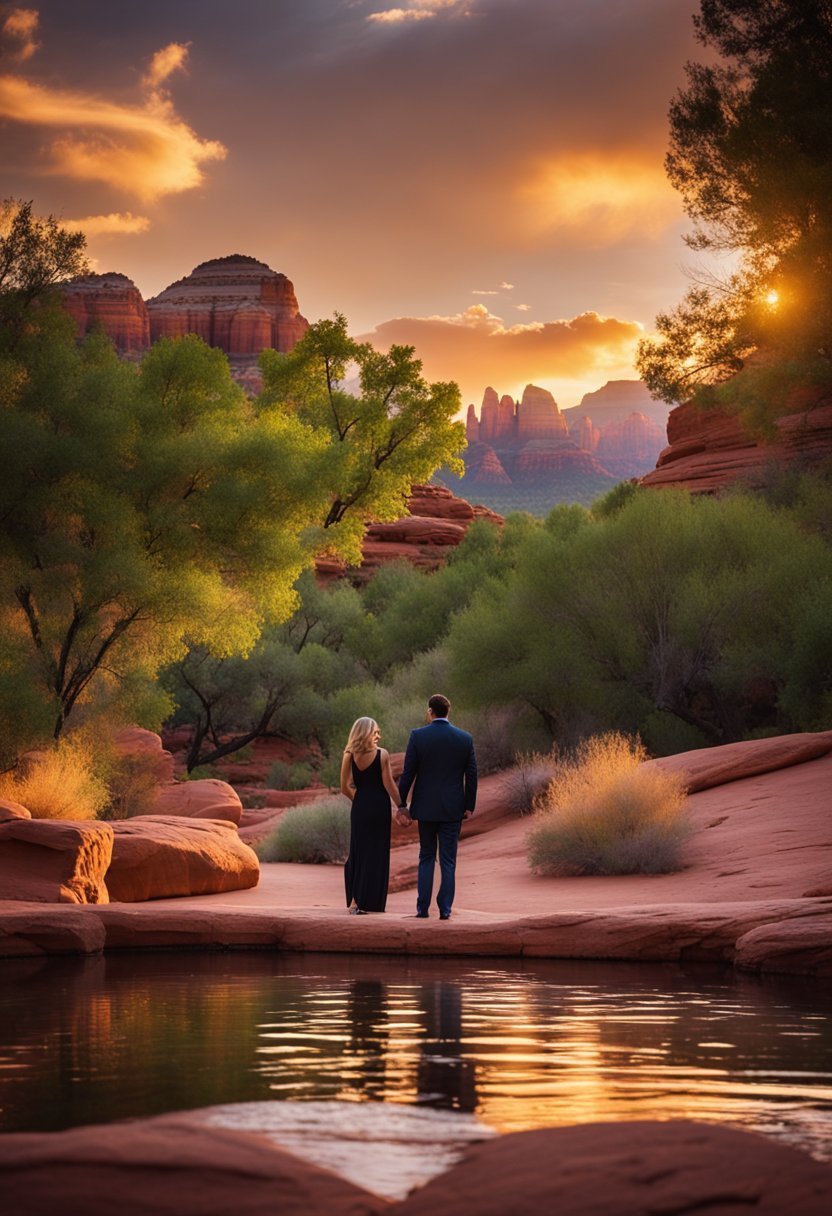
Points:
[(154, 514), (283, 776), (749, 154), (604, 812), (688, 621), (314, 834)]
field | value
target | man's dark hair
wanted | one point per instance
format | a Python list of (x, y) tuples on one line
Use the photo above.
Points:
[(439, 705)]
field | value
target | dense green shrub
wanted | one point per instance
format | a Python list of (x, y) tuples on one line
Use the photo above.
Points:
[(604, 813), (283, 776), (316, 833)]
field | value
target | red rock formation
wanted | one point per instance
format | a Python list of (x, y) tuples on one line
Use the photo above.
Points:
[(506, 419), (627, 1169), (489, 470), (437, 522), (209, 798), (630, 446), (615, 401), (489, 415), (54, 860), (709, 450), (472, 426), (170, 1166), (235, 303), (112, 301), (159, 856), (541, 458), (538, 416), (586, 435)]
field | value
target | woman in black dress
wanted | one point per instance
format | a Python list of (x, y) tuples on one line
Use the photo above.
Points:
[(367, 781)]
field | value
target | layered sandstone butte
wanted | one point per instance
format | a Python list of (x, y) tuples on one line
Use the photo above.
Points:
[(112, 302), (708, 450), (489, 413), (236, 303)]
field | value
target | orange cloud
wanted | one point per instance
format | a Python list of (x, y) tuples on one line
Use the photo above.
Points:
[(108, 225), (21, 26), (146, 150), (476, 348), (417, 10), (602, 199), (164, 63)]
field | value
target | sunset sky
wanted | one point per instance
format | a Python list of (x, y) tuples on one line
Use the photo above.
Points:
[(480, 178)]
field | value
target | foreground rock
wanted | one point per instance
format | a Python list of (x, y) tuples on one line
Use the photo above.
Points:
[(53, 860), (628, 1169), (167, 1167), (177, 1166), (155, 857), (205, 799)]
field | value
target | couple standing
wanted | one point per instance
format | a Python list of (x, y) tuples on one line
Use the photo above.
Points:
[(440, 760)]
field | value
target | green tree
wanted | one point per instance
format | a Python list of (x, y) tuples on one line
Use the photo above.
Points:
[(35, 255), (751, 154), (141, 509), (679, 618), (394, 430)]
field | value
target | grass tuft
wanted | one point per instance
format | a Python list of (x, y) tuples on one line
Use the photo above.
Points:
[(604, 813), (316, 833), (60, 783)]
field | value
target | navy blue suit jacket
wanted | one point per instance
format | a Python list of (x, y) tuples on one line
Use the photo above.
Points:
[(440, 759)]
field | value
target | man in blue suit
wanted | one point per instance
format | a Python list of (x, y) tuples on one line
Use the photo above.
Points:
[(440, 759)]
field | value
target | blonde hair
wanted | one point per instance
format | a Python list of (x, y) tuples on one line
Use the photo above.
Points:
[(361, 736)]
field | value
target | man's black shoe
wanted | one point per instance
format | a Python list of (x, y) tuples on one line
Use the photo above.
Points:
[(421, 916), (444, 916)]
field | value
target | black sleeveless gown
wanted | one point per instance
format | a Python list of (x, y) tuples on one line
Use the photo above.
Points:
[(367, 869)]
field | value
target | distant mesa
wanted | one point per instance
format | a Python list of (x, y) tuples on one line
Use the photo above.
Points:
[(236, 303)]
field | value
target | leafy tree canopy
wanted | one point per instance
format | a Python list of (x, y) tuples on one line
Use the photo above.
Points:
[(751, 154), (35, 254), (141, 509), (392, 430)]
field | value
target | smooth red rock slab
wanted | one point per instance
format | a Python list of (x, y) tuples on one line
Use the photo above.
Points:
[(157, 856), (9, 809), (136, 741), (30, 929), (167, 1167), (707, 767), (802, 947), (152, 925), (628, 1169), (208, 798), (54, 860)]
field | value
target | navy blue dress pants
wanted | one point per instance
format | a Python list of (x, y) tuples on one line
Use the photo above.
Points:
[(445, 836)]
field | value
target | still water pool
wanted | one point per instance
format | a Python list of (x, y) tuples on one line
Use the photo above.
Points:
[(520, 1045)]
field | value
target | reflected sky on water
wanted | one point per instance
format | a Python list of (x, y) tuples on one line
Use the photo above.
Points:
[(519, 1045)]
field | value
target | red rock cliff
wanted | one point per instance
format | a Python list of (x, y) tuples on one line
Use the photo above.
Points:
[(236, 303), (114, 302)]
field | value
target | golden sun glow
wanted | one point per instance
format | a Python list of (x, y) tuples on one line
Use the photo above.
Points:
[(772, 298)]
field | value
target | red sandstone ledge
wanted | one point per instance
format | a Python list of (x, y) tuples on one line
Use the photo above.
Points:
[(176, 1166)]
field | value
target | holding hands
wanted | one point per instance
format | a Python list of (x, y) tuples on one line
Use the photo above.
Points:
[(403, 817)]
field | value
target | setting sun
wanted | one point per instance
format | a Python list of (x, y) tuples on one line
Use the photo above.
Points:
[(772, 298)]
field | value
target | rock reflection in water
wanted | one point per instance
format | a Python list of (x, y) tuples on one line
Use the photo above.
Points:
[(520, 1046)]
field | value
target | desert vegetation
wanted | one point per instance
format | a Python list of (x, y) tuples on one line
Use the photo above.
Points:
[(313, 834), (604, 812)]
